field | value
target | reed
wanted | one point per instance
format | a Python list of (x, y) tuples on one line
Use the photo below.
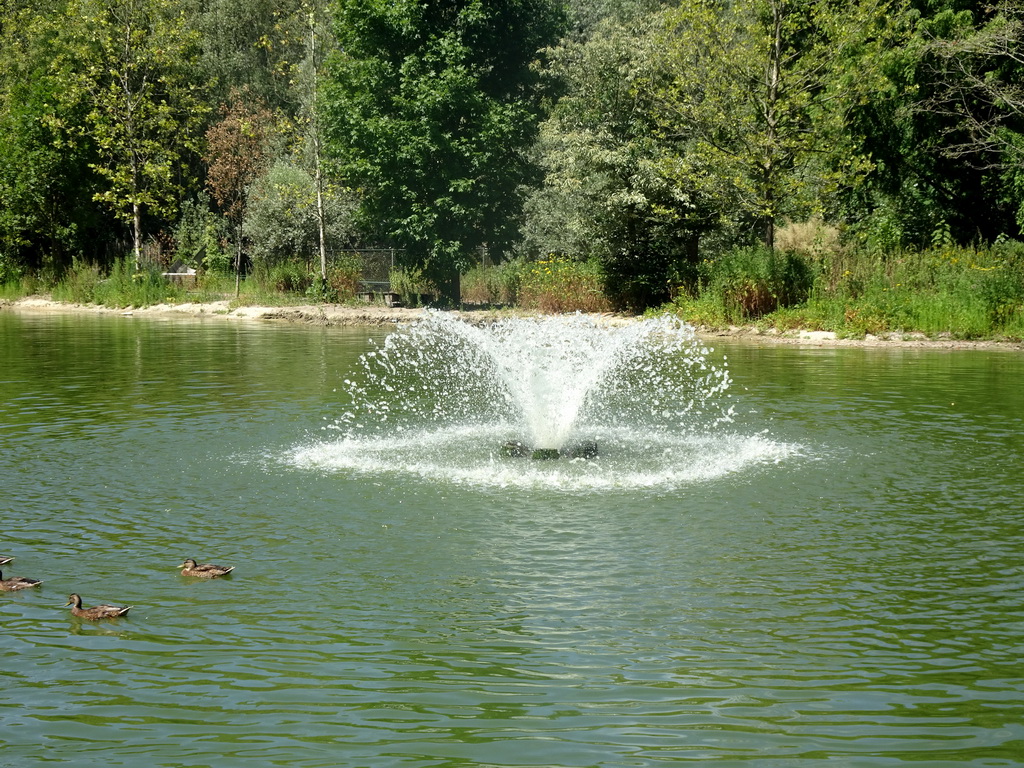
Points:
[(963, 293)]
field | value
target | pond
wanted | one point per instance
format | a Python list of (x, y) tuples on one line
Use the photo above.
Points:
[(851, 597)]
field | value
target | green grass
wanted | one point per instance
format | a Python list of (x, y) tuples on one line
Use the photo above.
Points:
[(123, 286), (12, 290), (557, 285), (961, 293)]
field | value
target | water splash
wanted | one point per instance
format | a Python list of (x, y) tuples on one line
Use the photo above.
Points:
[(548, 377), (440, 396), (467, 456)]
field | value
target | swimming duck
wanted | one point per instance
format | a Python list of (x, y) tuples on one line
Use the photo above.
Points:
[(15, 583), (5, 559), (204, 571), (97, 611)]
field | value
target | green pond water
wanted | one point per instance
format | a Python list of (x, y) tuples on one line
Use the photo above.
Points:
[(836, 578)]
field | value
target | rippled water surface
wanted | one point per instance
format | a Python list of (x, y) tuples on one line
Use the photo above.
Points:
[(848, 591)]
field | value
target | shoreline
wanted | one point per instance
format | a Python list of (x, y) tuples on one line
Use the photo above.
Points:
[(336, 315)]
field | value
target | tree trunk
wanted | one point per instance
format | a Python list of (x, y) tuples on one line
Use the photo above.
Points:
[(773, 82), (238, 263), (317, 172), (320, 209), (450, 287), (137, 235)]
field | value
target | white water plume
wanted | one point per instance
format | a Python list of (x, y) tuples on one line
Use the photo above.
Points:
[(550, 378), (469, 456), (441, 396)]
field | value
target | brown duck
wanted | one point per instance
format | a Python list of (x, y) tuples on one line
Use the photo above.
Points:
[(204, 570), (97, 611), (15, 583)]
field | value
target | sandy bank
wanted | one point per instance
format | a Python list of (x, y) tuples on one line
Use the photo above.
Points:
[(371, 315), (307, 314)]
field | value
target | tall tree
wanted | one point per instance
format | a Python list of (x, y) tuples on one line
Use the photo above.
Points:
[(760, 89), (976, 66), (429, 108), (286, 219), (253, 45), (926, 188), (133, 63), (47, 214), (318, 45), (238, 152), (615, 189)]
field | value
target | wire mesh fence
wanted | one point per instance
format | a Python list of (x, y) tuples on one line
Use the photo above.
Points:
[(376, 267)]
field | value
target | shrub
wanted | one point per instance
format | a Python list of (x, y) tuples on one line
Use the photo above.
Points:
[(124, 286), (479, 286), (412, 287), (78, 284), (753, 282), (128, 287), (289, 277), (201, 237), (493, 285), (343, 280), (557, 285), (948, 290), (281, 219), (11, 271)]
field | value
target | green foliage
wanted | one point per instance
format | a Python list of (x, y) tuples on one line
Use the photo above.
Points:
[(255, 45), (950, 291), (79, 284), (130, 287), (341, 283), (47, 214), (586, 15), (428, 108), (759, 92), (281, 222), (412, 286), (657, 139), (257, 291), (130, 64), (941, 134), (11, 270), (614, 188), (201, 237), (889, 223), (543, 285), (124, 286), (557, 285), (289, 276), (343, 280), (494, 285), (755, 281)]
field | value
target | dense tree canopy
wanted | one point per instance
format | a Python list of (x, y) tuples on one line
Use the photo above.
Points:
[(630, 132), (131, 64), (430, 108), (614, 186), (924, 188), (758, 93)]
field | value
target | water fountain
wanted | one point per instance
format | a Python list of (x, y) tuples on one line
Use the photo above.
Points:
[(635, 404)]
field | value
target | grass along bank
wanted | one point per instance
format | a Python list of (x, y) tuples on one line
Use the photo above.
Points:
[(944, 292), (960, 293)]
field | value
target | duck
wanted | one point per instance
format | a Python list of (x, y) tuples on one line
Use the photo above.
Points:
[(5, 559), (97, 611), (205, 570), (15, 583)]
